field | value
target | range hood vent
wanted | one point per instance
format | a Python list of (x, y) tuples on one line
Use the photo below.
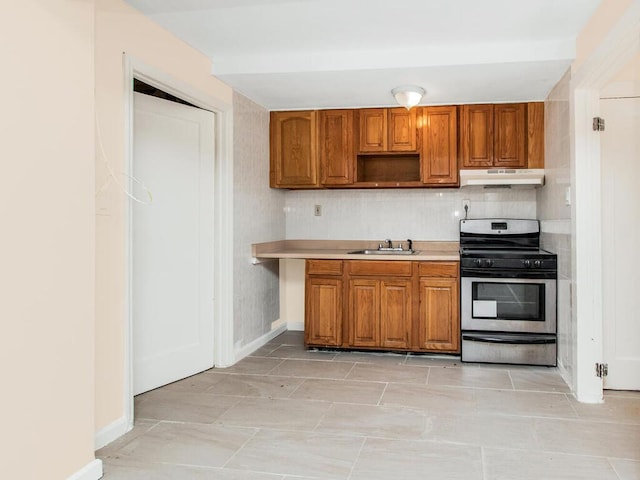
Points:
[(503, 177)]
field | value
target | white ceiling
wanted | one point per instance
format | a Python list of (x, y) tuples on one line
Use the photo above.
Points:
[(294, 54)]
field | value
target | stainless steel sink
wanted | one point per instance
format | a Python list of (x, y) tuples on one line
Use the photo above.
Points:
[(384, 251)]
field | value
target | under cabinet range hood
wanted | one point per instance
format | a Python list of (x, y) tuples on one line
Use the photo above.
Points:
[(503, 177)]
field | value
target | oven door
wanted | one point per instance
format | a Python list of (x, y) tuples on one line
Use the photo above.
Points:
[(508, 304)]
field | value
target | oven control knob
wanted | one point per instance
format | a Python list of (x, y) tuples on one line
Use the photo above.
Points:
[(537, 263), (487, 262), (527, 263), (477, 262)]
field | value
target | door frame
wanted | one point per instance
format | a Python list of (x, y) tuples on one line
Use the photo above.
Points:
[(135, 68), (619, 46)]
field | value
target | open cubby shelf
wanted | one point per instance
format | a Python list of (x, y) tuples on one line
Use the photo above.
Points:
[(388, 168)]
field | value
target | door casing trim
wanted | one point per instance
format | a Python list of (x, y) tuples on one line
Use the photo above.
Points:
[(223, 213)]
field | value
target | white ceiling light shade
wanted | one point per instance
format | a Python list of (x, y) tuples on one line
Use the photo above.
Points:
[(408, 95)]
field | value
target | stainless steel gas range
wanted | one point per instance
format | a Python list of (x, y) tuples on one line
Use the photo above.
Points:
[(507, 293)]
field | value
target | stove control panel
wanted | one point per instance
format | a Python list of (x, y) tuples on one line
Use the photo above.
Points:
[(482, 262), (532, 263), (547, 262)]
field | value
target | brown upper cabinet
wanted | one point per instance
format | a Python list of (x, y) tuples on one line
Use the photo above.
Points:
[(394, 148), (476, 135), (439, 166), (509, 135), (387, 130), (535, 135), (337, 151), (294, 156), (509, 132)]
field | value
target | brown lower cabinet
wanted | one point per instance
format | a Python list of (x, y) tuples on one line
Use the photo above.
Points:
[(379, 313), (439, 294), (323, 303), (382, 305)]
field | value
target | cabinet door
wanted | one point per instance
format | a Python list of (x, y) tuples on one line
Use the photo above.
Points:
[(395, 313), (323, 312), (439, 322), (337, 155), (294, 161), (535, 135), (476, 136), (373, 130), (364, 313), (439, 146), (402, 130), (509, 135)]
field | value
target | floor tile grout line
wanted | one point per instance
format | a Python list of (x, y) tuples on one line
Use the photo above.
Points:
[(276, 366), (382, 394), (555, 452), (346, 376), (483, 463), (355, 461), (241, 447), (613, 467), (296, 389), (513, 385), (322, 417)]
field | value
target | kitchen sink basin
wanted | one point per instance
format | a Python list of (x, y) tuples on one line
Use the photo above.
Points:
[(391, 251)]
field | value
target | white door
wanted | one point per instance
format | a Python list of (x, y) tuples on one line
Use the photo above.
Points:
[(172, 242), (620, 153)]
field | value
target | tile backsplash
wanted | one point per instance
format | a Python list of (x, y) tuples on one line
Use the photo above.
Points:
[(419, 214)]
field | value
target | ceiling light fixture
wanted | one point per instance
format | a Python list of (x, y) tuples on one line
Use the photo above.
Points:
[(408, 95)]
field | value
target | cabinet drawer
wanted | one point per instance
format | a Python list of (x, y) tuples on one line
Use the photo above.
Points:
[(438, 269), (324, 267), (381, 268)]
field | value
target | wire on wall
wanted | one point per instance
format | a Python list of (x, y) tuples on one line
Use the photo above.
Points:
[(113, 177)]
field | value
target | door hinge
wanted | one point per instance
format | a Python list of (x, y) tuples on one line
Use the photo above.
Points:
[(602, 370), (598, 124)]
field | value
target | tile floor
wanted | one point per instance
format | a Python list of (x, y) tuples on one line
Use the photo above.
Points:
[(285, 413)]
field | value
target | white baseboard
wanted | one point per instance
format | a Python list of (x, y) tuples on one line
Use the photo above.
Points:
[(592, 399), (295, 326), (258, 342), (91, 471), (111, 432)]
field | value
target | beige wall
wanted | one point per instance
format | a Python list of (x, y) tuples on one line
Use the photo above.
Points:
[(631, 72), (119, 29), (47, 218), (597, 28)]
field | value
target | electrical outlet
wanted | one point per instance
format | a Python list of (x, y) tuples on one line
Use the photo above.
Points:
[(317, 210), (466, 203)]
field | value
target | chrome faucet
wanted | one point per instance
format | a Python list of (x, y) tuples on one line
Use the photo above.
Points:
[(388, 245)]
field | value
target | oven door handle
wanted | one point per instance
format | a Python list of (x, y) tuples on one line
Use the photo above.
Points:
[(509, 339)]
